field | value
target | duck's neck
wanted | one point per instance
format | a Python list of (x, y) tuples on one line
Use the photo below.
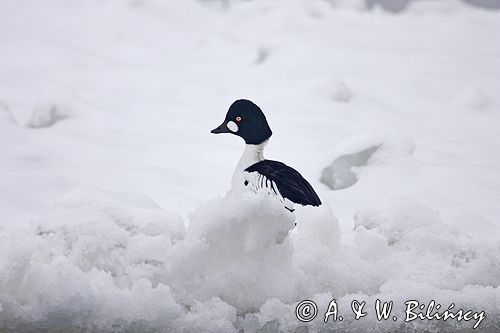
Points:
[(251, 155)]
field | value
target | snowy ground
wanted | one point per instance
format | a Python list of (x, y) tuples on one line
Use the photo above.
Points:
[(112, 189)]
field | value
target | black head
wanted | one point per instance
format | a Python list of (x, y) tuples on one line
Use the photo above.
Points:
[(245, 119)]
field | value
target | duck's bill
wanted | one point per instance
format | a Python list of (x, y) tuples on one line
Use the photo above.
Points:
[(221, 129)]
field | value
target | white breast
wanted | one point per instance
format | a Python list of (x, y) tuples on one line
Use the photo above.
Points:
[(253, 181), (251, 155)]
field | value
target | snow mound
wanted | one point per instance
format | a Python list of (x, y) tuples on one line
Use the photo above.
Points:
[(408, 226), (433, 260), (370, 244), (110, 261), (341, 92), (88, 265), (351, 155), (336, 90), (84, 207), (316, 243), (470, 223), (350, 4), (398, 221), (472, 97), (341, 174), (263, 54), (5, 114), (236, 241), (402, 251), (54, 105), (439, 7), (249, 230), (105, 261)]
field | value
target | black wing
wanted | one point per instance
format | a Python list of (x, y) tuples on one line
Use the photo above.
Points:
[(289, 181)]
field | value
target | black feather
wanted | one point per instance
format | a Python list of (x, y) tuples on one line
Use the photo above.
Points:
[(289, 182)]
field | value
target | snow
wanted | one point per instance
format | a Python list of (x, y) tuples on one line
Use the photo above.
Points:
[(371, 148), (115, 214), (471, 97), (53, 106), (5, 113)]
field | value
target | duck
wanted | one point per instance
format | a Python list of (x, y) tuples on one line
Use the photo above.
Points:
[(255, 173)]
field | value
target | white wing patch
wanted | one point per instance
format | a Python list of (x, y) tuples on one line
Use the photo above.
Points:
[(256, 182)]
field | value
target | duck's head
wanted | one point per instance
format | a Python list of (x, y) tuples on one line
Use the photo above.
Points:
[(245, 119)]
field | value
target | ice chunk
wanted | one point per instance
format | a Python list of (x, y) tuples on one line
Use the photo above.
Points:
[(354, 153)]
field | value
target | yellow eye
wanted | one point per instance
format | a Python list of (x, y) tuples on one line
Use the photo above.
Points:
[(238, 118)]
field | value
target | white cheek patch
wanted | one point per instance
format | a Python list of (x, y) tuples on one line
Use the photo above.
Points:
[(232, 126)]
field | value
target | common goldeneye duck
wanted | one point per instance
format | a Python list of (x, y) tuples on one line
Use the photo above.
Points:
[(253, 172)]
